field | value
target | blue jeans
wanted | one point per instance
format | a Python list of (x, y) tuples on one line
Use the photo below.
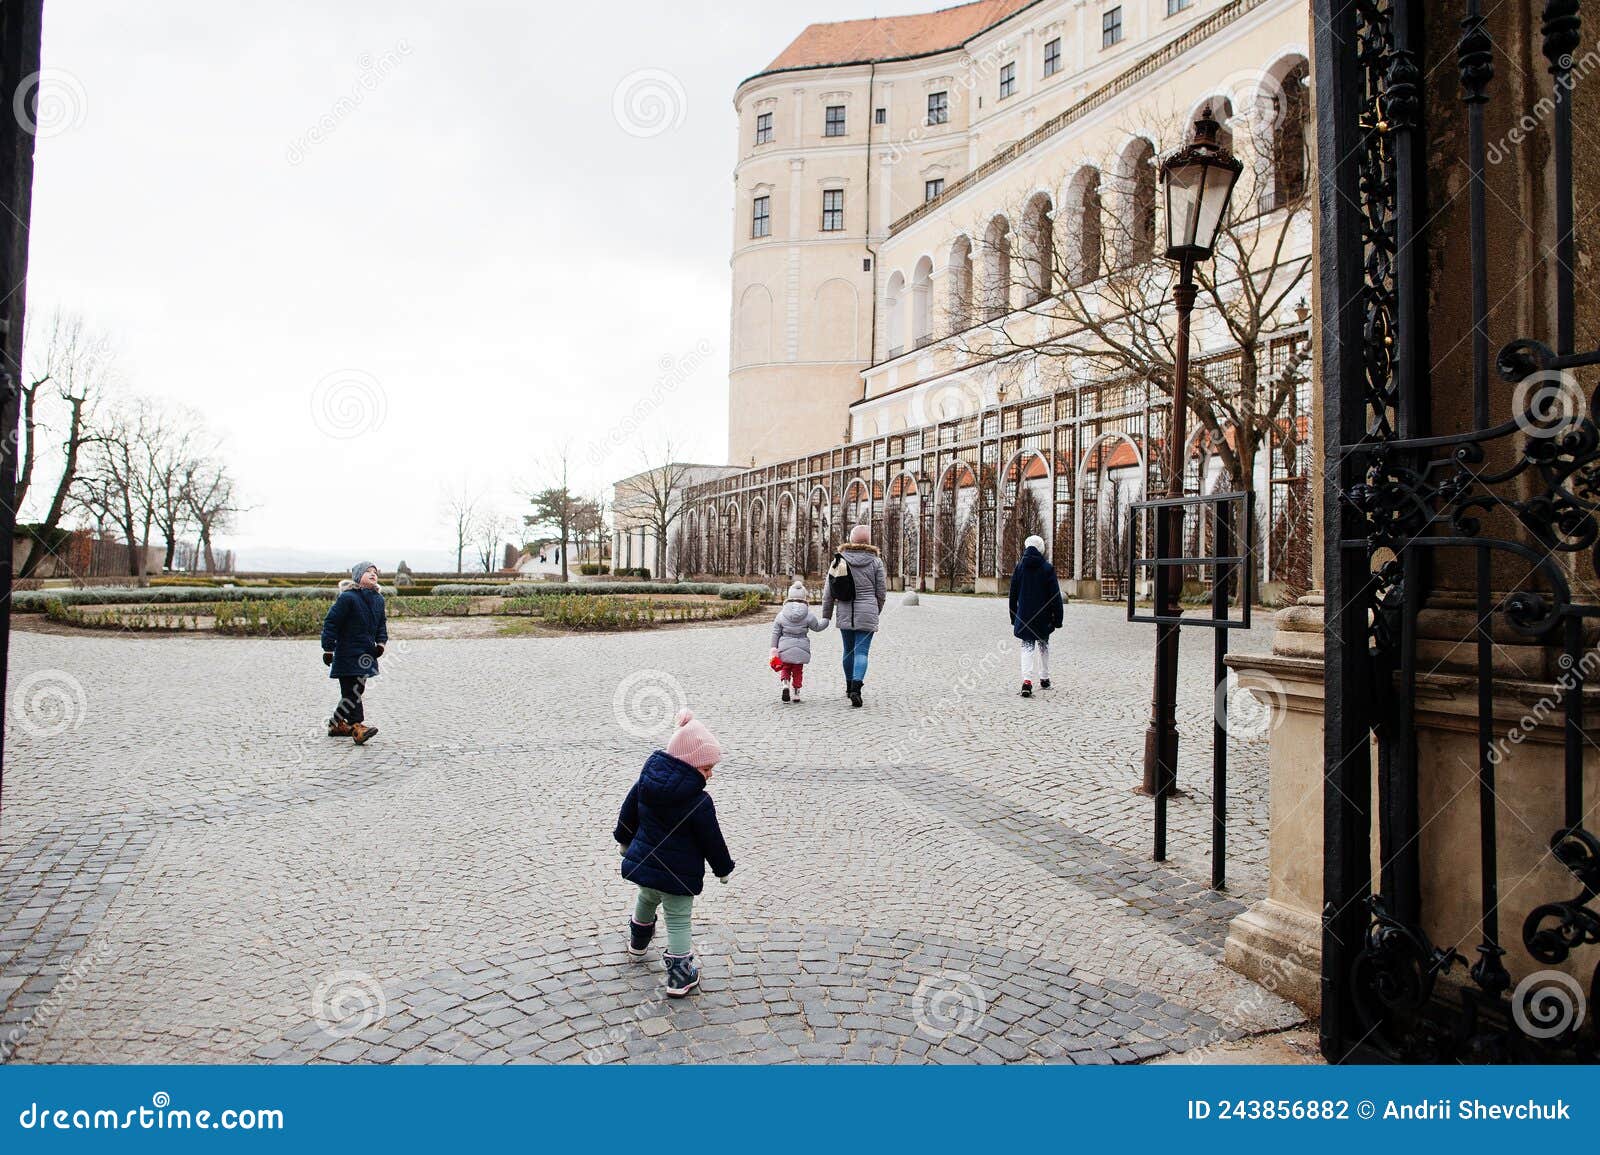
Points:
[(856, 645)]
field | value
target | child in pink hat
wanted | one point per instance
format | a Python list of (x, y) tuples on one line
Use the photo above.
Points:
[(668, 832)]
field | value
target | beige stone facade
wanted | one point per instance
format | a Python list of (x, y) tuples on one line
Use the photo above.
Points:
[(895, 175)]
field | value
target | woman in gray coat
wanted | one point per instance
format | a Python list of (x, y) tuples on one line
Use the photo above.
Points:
[(857, 617)]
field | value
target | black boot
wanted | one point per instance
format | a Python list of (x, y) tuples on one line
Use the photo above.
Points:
[(855, 693), (639, 936)]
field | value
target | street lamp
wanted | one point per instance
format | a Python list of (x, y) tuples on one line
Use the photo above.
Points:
[(1198, 183)]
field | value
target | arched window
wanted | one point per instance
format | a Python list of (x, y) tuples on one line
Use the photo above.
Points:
[(1038, 235), (894, 316), (922, 303), (1291, 159), (960, 285), (1138, 216), (997, 269), (1085, 235)]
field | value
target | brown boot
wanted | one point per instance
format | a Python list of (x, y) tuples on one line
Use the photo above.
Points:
[(339, 728), (362, 732)]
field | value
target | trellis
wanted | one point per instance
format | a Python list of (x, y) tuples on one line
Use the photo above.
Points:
[(784, 520)]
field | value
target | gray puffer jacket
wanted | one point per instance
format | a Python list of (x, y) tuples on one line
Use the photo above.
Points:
[(791, 632), (872, 590)]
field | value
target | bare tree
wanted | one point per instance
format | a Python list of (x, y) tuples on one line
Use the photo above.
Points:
[(590, 524), (489, 531), (116, 487), (555, 506), (1078, 289), (74, 373), (209, 493), (171, 451), (655, 497), (460, 513)]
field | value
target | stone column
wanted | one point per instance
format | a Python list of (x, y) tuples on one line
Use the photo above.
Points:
[(1278, 941)]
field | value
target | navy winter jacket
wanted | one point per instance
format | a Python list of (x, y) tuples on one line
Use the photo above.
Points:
[(355, 626), (668, 828), (1036, 605)]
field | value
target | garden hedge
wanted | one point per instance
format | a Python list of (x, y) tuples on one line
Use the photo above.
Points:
[(35, 601)]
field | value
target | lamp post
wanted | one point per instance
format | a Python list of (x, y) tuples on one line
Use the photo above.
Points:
[(1198, 183)]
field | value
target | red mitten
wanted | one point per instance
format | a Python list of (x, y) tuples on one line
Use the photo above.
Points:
[(776, 663)]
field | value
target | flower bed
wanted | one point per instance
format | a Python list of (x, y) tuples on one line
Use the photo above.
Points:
[(580, 612), (729, 590), (37, 601), (296, 617)]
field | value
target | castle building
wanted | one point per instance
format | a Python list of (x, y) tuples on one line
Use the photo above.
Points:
[(938, 218)]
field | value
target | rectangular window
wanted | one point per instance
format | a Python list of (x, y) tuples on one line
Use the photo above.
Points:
[(1176, 6), (881, 116), (1111, 27), (938, 108), (1008, 80), (933, 188), (833, 210), (761, 217), (834, 124), (763, 128), (1052, 56)]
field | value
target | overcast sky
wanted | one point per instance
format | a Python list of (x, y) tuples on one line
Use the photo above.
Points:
[(390, 248)]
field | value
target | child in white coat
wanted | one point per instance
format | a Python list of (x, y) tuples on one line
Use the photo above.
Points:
[(791, 640)]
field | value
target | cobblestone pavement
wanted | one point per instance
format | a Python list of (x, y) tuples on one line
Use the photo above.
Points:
[(190, 870)]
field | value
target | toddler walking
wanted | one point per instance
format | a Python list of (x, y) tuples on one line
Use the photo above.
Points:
[(791, 639), (668, 832)]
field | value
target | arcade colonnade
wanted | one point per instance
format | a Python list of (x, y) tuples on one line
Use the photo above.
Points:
[(950, 503)]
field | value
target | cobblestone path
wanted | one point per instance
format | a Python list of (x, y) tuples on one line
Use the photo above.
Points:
[(190, 870)]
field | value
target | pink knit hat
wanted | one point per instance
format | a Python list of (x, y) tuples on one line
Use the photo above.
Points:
[(691, 742)]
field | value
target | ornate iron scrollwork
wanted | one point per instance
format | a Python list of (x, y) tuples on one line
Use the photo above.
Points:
[(1393, 980), (1538, 503)]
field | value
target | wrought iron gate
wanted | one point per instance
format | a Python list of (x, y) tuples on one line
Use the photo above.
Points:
[(1509, 510)]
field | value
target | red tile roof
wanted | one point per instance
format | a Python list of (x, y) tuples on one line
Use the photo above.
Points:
[(892, 37)]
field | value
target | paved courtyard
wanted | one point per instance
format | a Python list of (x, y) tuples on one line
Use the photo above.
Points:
[(190, 870)]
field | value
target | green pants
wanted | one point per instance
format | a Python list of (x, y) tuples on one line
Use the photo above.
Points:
[(679, 908)]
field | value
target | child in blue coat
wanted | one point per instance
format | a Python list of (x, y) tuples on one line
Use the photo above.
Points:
[(353, 636), (668, 832)]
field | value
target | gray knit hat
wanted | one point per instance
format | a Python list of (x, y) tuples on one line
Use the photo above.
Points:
[(360, 568)]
